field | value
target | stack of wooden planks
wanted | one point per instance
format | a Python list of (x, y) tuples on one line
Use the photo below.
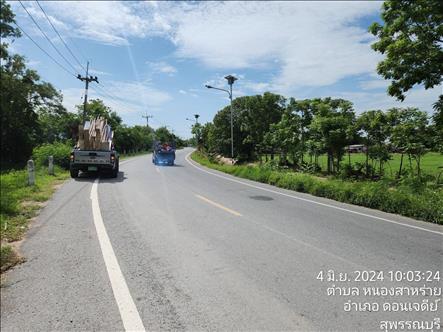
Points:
[(95, 134)]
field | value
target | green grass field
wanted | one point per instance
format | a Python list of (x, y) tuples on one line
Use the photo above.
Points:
[(430, 163)]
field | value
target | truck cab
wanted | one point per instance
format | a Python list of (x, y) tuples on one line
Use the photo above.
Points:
[(94, 161)]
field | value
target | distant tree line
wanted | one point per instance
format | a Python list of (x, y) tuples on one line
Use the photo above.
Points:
[(299, 131)]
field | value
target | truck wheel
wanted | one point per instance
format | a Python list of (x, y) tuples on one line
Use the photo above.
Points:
[(74, 173)]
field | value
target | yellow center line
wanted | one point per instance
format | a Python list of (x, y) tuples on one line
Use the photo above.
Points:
[(235, 213)]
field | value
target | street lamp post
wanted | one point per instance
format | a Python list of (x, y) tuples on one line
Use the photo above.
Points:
[(196, 116), (231, 79)]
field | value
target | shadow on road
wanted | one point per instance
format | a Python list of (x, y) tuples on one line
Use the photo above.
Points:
[(106, 178), (167, 166)]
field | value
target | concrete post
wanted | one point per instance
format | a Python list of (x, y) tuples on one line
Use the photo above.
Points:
[(31, 173), (51, 165)]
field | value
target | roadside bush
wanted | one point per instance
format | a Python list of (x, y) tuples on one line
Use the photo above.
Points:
[(60, 151)]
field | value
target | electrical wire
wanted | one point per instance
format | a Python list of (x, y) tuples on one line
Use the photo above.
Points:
[(59, 36), (46, 36), (43, 50), (103, 87)]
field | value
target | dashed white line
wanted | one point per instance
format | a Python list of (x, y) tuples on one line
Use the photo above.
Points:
[(128, 311), (309, 200)]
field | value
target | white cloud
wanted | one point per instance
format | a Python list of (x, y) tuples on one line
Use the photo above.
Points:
[(106, 22), (183, 92), (72, 97), (314, 44), (417, 97), (162, 67), (374, 84), (311, 43)]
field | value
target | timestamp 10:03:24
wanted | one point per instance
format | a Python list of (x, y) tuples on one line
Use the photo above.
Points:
[(374, 276)]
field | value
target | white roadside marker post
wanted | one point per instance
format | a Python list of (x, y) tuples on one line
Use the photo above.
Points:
[(51, 165), (31, 172)]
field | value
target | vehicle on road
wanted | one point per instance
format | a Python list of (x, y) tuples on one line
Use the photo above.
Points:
[(94, 151), (163, 153), (94, 161)]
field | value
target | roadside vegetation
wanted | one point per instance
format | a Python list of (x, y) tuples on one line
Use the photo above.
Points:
[(308, 145), (409, 196), (20, 203)]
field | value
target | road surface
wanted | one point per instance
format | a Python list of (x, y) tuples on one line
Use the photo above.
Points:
[(187, 248)]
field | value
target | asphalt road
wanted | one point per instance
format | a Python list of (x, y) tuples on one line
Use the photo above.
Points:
[(187, 248)]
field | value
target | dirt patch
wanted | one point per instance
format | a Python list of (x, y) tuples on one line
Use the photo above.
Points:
[(225, 161)]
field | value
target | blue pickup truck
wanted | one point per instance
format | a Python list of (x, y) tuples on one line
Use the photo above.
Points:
[(163, 153)]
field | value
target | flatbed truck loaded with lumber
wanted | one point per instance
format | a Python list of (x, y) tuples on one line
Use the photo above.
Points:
[(94, 151)]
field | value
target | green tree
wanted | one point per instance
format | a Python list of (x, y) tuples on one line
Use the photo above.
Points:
[(305, 109), (197, 132), (163, 135), (207, 137), (409, 134), (7, 31), (376, 130), (256, 114), (22, 94), (285, 137), (97, 108), (56, 123), (411, 38), (332, 126), (437, 121)]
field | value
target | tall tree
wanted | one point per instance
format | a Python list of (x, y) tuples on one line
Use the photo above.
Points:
[(7, 31), (97, 108), (257, 114), (437, 120), (285, 137), (409, 134), (21, 95), (376, 129), (411, 38), (333, 124)]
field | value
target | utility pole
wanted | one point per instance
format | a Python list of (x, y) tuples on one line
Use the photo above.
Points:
[(87, 79), (147, 118)]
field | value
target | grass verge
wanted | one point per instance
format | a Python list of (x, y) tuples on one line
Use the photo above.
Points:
[(407, 199), (19, 203)]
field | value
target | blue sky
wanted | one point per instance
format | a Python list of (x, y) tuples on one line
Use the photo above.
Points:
[(156, 57)]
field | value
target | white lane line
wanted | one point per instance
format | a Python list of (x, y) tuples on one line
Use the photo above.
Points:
[(235, 213), (128, 311), (158, 171), (310, 201)]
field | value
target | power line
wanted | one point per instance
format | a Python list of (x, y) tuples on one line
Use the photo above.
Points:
[(59, 36), (113, 100), (49, 55), (105, 89), (46, 36)]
